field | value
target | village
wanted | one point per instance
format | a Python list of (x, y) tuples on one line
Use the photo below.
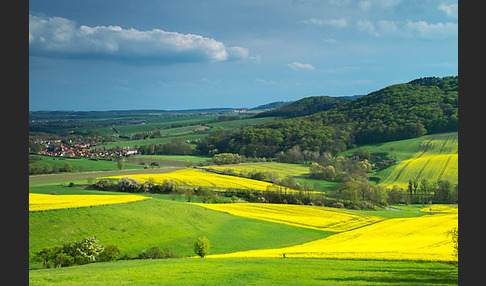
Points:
[(58, 148)]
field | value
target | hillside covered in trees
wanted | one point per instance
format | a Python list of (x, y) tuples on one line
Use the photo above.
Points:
[(401, 111), (306, 106)]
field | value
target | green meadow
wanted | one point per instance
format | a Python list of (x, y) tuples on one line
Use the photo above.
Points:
[(230, 271)]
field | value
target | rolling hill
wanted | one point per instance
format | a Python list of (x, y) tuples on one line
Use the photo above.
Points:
[(397, 112)]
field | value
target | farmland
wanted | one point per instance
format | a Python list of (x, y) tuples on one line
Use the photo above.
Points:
[(320, 218), (436, 158), (194, 177), (300, 172), (419, 238), (345, 232), (42, 202)]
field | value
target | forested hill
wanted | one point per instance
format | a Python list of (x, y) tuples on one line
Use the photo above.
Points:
[(305, 106), (401, 111)]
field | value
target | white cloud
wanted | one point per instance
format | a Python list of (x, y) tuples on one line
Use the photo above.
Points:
[(410, 29), (301, 66), (330, 22), (58, 36), (431, 31), (449, 10)]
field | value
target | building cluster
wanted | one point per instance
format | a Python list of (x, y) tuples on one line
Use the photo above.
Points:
[(78, 149)]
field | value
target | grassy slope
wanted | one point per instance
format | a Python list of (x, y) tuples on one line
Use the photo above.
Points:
[(249, 272), (157, 222)]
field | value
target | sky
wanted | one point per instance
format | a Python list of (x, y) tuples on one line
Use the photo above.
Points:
[(190, 54)]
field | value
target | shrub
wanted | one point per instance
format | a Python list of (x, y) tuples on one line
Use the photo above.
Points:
[(74, 253), (201, 246), (127, 184), (155, 253), (111, 253), (102, 184)]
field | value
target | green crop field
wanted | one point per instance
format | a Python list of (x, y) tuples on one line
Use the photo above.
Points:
[(232, 271)]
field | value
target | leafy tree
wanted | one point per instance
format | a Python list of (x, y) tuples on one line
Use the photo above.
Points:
[(202, 246), (120, 163), (67, 167)]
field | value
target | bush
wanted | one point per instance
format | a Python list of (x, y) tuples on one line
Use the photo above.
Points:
[(74, 253), (102, 184), (127, 184), (201, 246), (155, 253), (111, 253)]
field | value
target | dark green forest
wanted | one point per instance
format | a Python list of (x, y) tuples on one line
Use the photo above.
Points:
[(401, 111)]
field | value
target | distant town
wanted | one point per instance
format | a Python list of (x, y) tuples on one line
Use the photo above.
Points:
[(58, 148)]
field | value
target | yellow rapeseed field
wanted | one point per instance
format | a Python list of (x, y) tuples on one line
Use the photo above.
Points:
[(418, 238), (42, 202), (441, 209), (322, 218), (195, 177)]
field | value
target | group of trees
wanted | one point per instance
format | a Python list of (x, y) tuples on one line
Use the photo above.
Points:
[(175, 147), (424, 191), (339, 167), (36, 166), (87, 250)]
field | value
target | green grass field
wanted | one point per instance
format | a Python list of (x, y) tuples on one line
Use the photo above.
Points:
[(249, 272), (83, 164)]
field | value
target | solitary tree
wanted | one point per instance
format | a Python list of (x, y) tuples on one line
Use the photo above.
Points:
[(120, 163), (201, 246)]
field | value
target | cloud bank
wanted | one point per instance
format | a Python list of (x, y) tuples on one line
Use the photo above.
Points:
[(61, 37)]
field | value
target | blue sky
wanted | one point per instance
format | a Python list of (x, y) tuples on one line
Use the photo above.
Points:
[(185, 54)]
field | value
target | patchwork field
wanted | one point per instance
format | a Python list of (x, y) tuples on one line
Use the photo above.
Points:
[(42, 202), (321, 218), (194, 177), (435, 158), (160, 222)]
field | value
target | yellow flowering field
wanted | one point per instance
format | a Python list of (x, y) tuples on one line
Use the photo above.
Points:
[(42, 202), (417, 238), (322, 218), (195, 177), (440, 209)]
